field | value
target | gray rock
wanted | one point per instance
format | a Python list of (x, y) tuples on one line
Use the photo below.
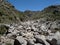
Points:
[(58, 42), (21, 40), (31, 41), (38, 44), (44, 27), (52, 42), (39, 40)]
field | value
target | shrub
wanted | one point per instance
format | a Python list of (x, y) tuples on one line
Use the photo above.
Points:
[(3, 29)]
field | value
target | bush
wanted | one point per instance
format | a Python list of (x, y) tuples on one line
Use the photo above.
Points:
[(3, 29)]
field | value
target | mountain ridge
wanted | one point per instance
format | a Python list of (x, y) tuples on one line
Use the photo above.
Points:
[(9, 14)]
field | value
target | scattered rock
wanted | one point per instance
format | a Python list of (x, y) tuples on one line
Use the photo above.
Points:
[(32, 33)]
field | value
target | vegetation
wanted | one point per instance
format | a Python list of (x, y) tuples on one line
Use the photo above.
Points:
[(3, 29)]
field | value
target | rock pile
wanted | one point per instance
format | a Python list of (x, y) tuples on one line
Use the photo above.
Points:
[(35, 32)]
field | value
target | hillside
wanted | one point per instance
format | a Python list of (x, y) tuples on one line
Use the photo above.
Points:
[(52, 12), (8, 13)]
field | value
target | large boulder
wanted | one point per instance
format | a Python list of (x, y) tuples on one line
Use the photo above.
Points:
[(31, 41), (52, 42), (21, 40), (39, 39), (16, 42)]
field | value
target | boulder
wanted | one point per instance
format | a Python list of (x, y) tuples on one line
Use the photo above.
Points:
[(31, 41), (39, 39), (21, 40), (16, 42), (52, 42), (38, 44)]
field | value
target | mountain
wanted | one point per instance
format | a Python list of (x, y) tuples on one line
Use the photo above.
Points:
[(8, 13), (52, 12)]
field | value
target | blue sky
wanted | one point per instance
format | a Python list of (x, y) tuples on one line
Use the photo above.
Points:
[(34, 5)]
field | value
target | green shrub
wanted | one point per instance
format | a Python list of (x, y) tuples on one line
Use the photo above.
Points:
[(3, 29)]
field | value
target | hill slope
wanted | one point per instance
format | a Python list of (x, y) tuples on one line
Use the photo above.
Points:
[(8, 13)]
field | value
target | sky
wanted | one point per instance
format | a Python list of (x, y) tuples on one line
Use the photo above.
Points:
[(33, 5)]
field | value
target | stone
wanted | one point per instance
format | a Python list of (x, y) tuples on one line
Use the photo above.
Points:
[(40, 37), (31, 41), (43, 27), (38, 44), (16, 42), (39, 40), (21, 40), (52, 42), (58, 42)]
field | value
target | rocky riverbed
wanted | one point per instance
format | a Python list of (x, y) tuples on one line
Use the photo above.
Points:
[(36, 32)]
